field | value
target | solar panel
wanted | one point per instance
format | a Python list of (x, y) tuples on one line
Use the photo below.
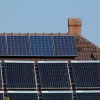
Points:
[(88, 96), (57, 96), (1, 95), (54, 74), (22, 95), (1, 84), (41, 46), (86, 73), (18, 46), (3, 51), (64, 46), (20, 74)]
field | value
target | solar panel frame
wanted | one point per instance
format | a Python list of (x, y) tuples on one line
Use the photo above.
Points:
[(55, 51), (46, 52), (69, 91), (86, 61), (3, 46), (52, 61), (16, 61), (21, 50), (87, 91), (22, 92)]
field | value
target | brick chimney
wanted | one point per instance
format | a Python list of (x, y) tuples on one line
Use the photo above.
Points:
[(74, 25)]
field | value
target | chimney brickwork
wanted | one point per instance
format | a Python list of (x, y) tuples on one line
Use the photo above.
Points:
[(75, 25)]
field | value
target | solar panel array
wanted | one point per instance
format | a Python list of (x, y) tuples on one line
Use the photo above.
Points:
[(18, 46), (3, 51), (20, 75), (55, 96), (41, 46), (54, 75), (86, 74), (22, 96), (64, 46), (88, 96)]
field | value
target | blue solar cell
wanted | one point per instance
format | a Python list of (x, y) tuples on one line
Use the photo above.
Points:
[(3, 51), (16, 45), (41, 46), (64, 46)]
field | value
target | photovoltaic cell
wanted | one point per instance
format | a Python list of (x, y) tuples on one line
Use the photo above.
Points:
[(3, 51), (18, 46), (41, 46), (65, 46)]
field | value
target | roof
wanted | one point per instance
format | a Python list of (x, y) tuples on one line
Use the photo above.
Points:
[(84, 49)]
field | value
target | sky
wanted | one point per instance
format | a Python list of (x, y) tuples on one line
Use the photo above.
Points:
[(50, 16)]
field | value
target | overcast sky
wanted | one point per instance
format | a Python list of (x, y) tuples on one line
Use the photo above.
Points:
[(50, 16)]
